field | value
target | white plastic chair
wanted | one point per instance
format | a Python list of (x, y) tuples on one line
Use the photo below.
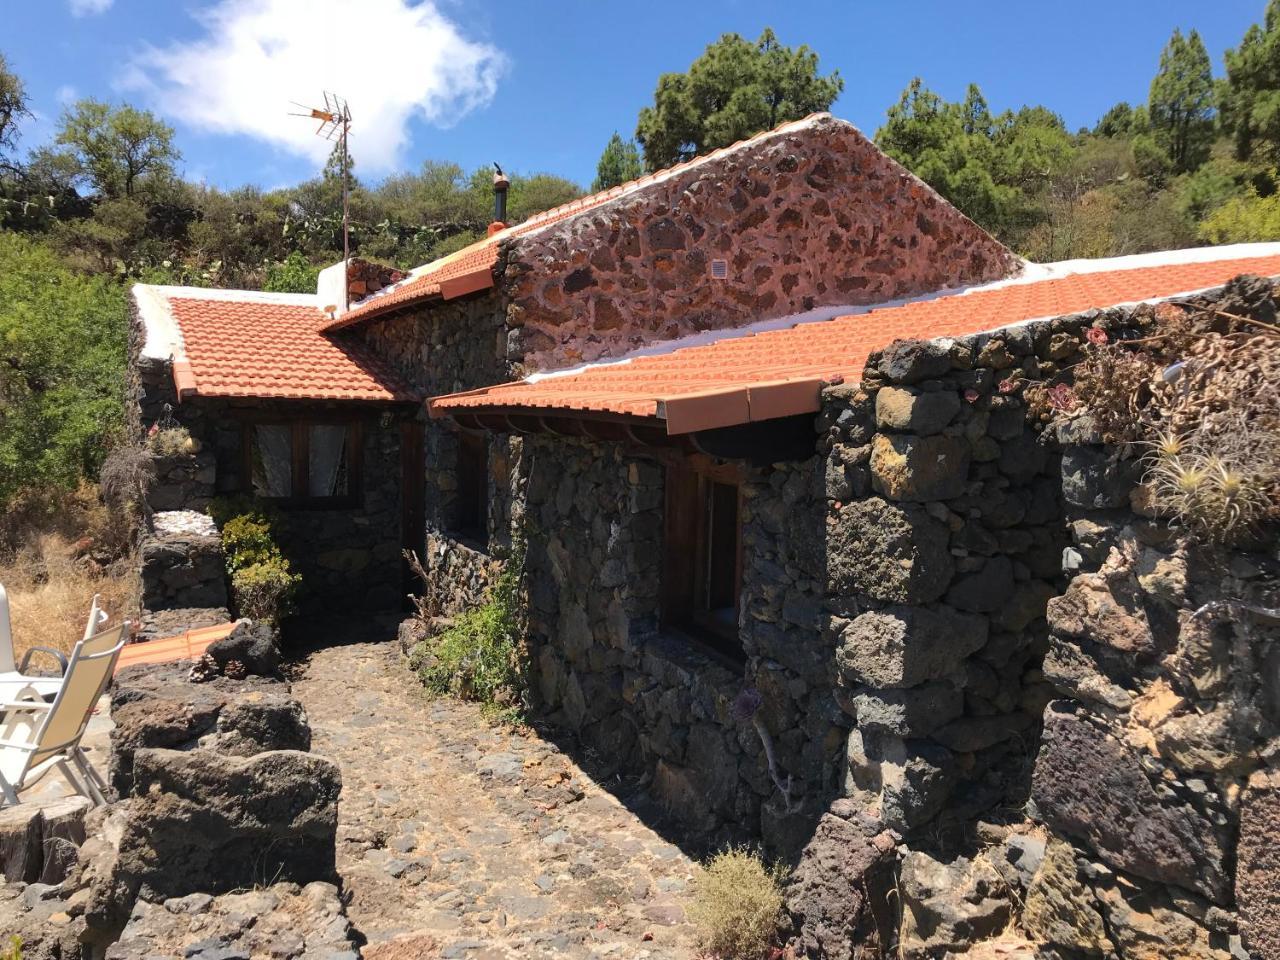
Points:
[(38, 736), (14, 678)]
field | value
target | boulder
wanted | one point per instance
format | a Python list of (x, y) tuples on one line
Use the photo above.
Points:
[(1060, 909), (1105, 608), (903, 646), (255, 645), (908, 782), (156, 706), (985, 590), (1093, 479), (908, 467), (909, 410), (910, 361), (949, 905), (891, 553), (1143, 922), (841, 869), (915, 712), (204, 822), (1089, 786)]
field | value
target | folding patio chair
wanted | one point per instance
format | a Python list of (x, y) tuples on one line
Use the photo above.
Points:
[(37, 736), (14, 676)]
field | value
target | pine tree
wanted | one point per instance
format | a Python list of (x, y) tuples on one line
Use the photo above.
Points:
[(1251, 93), (734, 90), (619, 163), (1182, 101)]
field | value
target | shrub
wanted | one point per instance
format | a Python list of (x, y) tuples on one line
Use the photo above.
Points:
[(264, 591), (14, 950), (478, 657), (737, 905), (247, 541), (63, 379), (262, 584)]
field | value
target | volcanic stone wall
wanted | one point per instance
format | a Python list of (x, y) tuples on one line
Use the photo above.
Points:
[(1157, 768), (943, 545), (443, 348), (812, 217), (655, 701)]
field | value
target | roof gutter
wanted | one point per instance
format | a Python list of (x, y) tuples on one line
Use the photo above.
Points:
[(739, 405)]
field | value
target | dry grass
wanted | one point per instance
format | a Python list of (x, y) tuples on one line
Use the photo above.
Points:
[(737, 906), (50, 590)]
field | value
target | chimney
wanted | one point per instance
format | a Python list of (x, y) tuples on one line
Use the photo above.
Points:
[(500, 185)]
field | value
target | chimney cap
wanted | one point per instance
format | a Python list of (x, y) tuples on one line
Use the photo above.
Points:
[(500, 181)]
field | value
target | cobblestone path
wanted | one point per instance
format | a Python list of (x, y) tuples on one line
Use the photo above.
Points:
[(491, 843)]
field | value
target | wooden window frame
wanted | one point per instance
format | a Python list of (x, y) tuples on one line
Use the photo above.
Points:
[(478, 535), (300, 466), (686, 553)]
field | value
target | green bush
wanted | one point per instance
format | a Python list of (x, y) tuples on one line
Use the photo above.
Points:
[(247, 541), (737, 905), (62, 382), (265, 590), (479, 656), (262, 583)]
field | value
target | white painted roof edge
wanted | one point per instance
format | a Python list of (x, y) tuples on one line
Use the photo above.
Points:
[(1031, 273), (163, 338), (239, 296)]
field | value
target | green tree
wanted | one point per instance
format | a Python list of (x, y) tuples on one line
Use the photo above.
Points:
[(61, 367), (1181, 102), (619, 163), (291, 275), (1116, 122), (116, 151), (734, 90), (1244, 219), (1251, 93), (13, 108)]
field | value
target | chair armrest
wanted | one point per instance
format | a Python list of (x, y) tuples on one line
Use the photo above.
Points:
[(18, 745), (56, 654), (25, 705)]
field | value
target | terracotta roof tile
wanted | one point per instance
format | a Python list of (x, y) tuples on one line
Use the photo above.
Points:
[(251, 348), (745, 372)]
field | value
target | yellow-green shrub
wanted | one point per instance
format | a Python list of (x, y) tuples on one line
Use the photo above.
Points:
[(737, 905), (262, 583)]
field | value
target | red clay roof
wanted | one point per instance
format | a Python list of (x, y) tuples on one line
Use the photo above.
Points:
[(252, 348), (471, 268), (759, 376)]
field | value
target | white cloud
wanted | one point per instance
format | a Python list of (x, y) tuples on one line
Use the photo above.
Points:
[(391, 59), (66, 93), (86, 8)]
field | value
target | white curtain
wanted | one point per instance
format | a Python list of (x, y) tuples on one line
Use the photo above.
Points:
[(273, 466), (325, 460)]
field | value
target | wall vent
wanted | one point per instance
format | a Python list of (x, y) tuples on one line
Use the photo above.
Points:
[(719, 269)]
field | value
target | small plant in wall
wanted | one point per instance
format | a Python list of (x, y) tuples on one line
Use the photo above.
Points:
[(1196, 395), (737, 906), (480, 655), (262, 584)]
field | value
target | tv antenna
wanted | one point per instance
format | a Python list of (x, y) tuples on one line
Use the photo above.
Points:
[(335, 123)]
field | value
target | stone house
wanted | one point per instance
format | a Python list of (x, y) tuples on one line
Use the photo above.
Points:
[(755, 419)]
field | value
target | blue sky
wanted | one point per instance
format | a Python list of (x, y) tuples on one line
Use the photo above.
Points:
[(540, 86)]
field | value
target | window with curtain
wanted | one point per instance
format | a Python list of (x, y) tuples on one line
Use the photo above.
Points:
[(303, 463)]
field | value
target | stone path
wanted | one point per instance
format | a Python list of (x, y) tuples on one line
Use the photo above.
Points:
[(490, 843)]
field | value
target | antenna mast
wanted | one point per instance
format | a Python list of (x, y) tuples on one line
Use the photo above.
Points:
[(335, 124)]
